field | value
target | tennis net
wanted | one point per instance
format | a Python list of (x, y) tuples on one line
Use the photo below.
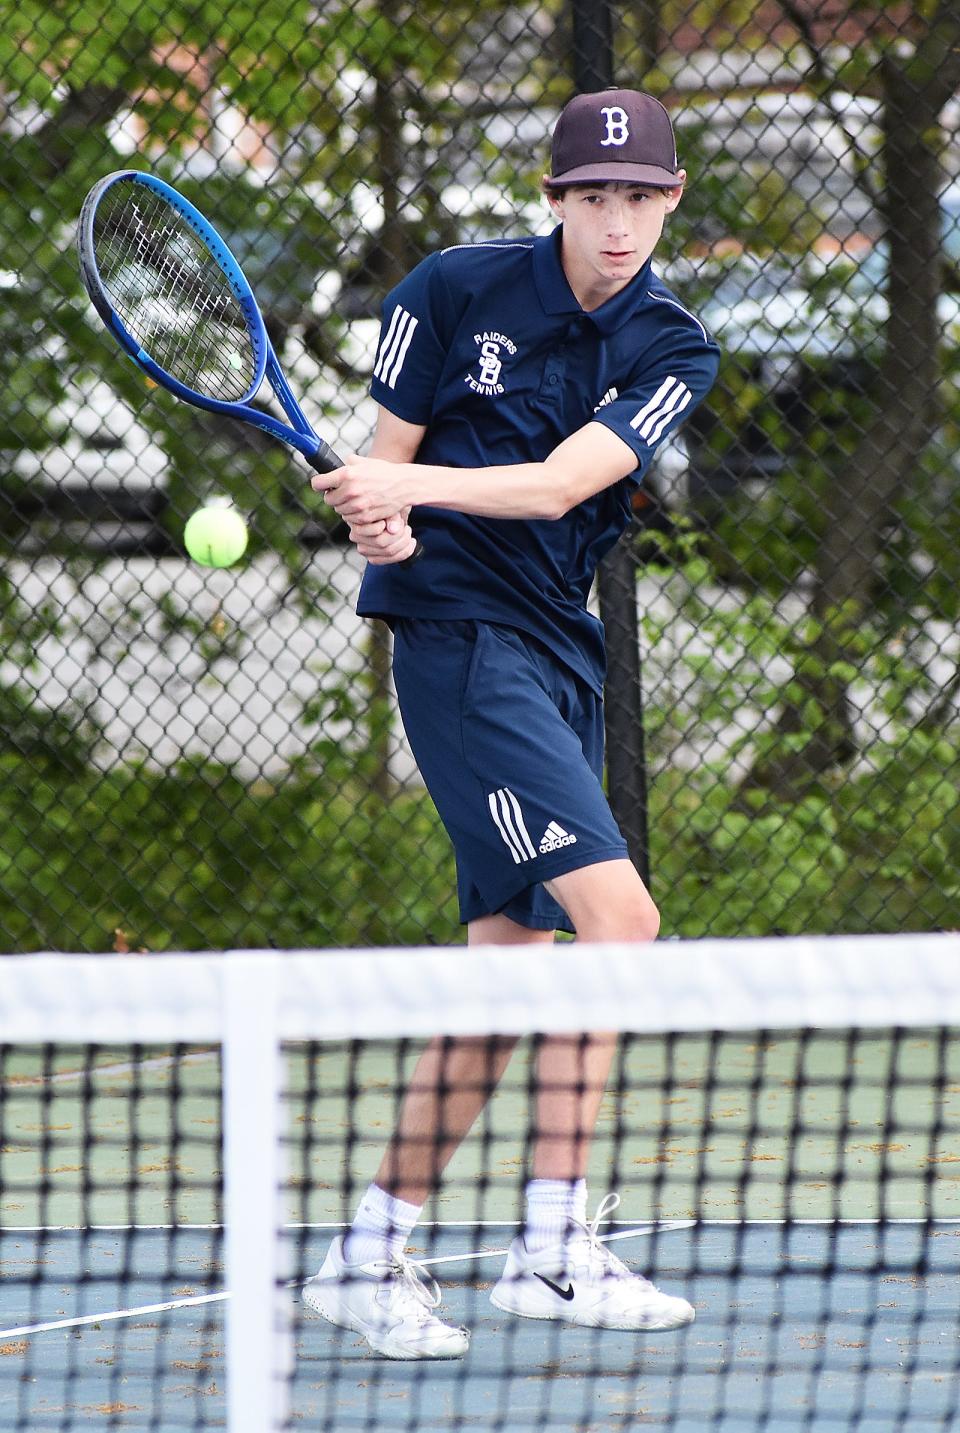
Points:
[(182, 1136)]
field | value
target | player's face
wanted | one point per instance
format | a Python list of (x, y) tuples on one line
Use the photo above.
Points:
[(609, 233)]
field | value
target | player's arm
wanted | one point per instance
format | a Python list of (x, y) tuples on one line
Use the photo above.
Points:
[(394, 439), (583, 464), (368, 489)]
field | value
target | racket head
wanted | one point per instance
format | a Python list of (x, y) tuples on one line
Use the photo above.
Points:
[(170, 291)]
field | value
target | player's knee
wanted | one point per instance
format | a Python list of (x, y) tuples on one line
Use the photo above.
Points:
[(607, 902), (631, 919), (627, 924), (651, 923), (642, 920)]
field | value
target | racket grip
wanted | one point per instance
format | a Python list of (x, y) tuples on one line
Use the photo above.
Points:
[(325, 460)]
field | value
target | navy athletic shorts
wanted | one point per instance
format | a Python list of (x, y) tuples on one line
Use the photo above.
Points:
[(509, 742)]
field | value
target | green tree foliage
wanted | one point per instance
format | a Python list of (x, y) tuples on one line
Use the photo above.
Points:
[(815, 816), (200, 858)]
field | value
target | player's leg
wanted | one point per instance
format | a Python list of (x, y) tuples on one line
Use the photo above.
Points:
[(605, 902), (450, 1085), (366, 1282), (558, 1268)]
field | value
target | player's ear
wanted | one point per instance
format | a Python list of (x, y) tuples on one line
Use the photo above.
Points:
[(674, 195), (554, 197)]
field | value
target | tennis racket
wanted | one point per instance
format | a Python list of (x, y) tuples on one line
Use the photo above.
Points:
[(176, 300)]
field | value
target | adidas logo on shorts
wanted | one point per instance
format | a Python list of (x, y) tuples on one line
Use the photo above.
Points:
[(554, 837), (508, 818)]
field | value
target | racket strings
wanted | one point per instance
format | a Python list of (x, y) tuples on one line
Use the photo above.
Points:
[(172, 295)]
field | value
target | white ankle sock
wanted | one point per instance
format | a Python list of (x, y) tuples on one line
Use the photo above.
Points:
[(551, 1205), (380, 1229)]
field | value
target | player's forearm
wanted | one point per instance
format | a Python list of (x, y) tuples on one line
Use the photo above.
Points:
[(517, 490), (583, 464)]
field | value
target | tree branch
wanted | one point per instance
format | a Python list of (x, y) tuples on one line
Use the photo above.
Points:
[(823, 83), (935, 68)]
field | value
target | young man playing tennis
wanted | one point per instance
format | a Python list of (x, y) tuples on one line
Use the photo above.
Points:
[(523, 389)]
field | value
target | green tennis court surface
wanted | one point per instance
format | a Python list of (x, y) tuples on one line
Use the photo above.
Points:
[(137, 1140)]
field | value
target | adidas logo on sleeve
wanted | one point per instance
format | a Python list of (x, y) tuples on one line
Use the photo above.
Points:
[(554, 837)]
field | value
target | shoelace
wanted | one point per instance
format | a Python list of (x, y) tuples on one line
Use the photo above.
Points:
[(415, 1282), (598, 1254)]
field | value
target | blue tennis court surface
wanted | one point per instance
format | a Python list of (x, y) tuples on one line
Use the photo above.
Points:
[(813, 1326), (112, 1293)]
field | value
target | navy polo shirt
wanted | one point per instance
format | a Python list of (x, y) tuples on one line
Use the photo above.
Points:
[(487, 346)]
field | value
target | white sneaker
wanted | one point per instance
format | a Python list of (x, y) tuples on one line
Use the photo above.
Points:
[(583, 1282), (390, 1303)]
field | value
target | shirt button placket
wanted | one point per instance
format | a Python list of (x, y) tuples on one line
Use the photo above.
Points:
[(553, 374)]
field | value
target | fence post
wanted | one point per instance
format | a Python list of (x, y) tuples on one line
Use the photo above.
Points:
[(593, 69)]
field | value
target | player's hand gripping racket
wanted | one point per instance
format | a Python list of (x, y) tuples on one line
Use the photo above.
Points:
[(174, 297)]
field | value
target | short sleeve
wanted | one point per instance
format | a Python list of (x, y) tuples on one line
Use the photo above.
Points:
[(673, 380), (412, 346)]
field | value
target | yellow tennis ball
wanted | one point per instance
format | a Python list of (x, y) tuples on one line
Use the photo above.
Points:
[(216, 536)]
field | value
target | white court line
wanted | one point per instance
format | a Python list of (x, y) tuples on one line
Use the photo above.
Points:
[(112, 1314), (325, 1225), (639, 1232), (127, 1067)]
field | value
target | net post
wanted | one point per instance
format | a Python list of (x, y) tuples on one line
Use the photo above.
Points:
[(259, 1323)]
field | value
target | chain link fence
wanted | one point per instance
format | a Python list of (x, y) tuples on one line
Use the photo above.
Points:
[(199, 758)]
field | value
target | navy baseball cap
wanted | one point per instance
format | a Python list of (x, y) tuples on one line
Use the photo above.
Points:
[(620, 135)]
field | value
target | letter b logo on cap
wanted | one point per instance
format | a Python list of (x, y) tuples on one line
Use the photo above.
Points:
[(617, 125)]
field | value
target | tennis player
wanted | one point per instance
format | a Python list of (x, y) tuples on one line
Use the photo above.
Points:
[(523, 388)]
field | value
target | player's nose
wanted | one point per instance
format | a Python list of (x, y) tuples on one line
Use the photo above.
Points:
[(617, 224)]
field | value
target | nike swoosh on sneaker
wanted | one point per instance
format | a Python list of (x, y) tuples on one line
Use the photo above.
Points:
[(566, 1293)]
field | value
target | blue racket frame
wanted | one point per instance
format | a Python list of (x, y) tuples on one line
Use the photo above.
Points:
[(300, 435)]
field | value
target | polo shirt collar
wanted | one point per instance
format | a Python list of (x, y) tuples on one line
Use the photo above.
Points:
[(557, 297)]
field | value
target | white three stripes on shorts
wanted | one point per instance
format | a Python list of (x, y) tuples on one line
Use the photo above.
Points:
[(666, 404), (508, 819), (394, 345)]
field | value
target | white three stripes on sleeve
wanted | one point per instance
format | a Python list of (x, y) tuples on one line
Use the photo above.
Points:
[(508, 819), (666, 404), (394, 345)]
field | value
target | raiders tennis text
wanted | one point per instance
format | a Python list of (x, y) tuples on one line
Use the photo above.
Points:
[(491, 345)]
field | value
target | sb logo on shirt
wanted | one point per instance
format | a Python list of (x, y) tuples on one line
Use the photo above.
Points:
[(487, 380)]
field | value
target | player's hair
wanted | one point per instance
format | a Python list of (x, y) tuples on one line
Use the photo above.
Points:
[(560, 191)]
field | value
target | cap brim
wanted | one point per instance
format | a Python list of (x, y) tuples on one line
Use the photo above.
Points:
[(616, 173)]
